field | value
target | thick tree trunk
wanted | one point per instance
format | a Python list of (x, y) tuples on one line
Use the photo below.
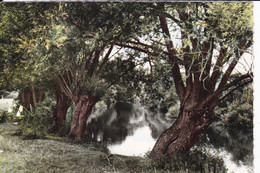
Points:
[(62, 106), (26, 96), (184, 133), (84, 106)]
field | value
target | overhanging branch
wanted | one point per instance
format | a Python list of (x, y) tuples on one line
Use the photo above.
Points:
[(180, 88), (237, 87)]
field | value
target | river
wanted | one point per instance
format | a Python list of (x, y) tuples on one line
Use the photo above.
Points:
[(132, 130)]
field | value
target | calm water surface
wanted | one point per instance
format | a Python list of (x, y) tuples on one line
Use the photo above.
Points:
[(132, 130)]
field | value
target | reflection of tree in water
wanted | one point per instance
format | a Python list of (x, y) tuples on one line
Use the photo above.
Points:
[(114, 124), (157, 123), (237, 142), (121, 120)]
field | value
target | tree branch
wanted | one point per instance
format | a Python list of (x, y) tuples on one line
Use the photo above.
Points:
[(243, 45), (94, 63), (180, 88), (237, 80), (171, 17), (132, 47), (239, 86), (106, 58), (64, 87), (208, 52), (216, 71)]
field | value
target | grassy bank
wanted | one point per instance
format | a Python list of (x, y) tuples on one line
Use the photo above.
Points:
[(45, 155)]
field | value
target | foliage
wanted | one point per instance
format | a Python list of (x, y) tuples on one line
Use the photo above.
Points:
[(36, 122), (196, 160), (237, 109), (231, 20), (5, 116), (123, 77), (18, 36)]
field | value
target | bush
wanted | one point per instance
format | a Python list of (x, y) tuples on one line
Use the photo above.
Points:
[(36, 122), (5, 116), (195, 160)]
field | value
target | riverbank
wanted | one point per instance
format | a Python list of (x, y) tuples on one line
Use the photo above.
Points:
[(61, 155)]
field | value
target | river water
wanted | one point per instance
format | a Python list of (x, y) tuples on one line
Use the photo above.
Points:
[(132, 130)]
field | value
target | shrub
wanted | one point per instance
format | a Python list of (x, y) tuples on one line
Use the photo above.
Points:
[(36, 122), (3, 116), (195, 160), (6, 116)]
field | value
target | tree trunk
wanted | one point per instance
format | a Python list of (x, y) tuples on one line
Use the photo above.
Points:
[(34, 96), (62, 106), (25, 97), (184, 133), (84, 106), (40, 95)]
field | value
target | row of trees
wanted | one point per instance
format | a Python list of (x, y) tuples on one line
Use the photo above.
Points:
[(87, 52)]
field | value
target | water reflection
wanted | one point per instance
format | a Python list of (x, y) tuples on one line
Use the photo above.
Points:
[(133, 130), (238, 142), (113, 125)]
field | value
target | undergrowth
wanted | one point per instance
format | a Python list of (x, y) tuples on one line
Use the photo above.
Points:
[(36, 122), (196, 161)]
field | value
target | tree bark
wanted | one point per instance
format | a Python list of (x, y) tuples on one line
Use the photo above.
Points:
[(40, 95), (62, 106), (184, 132), (84, 106), (25, 97), (34, 96)]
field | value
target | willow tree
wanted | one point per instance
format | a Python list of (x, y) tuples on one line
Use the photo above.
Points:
[(203, 43), (213, 41), (82, 52)]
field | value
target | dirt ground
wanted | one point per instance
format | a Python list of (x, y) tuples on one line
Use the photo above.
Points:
[(61, 156)]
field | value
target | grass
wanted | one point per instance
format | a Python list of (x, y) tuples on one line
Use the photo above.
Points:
[(48, 155)]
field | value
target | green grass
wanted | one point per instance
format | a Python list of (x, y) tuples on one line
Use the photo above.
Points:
[(48, 155)]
